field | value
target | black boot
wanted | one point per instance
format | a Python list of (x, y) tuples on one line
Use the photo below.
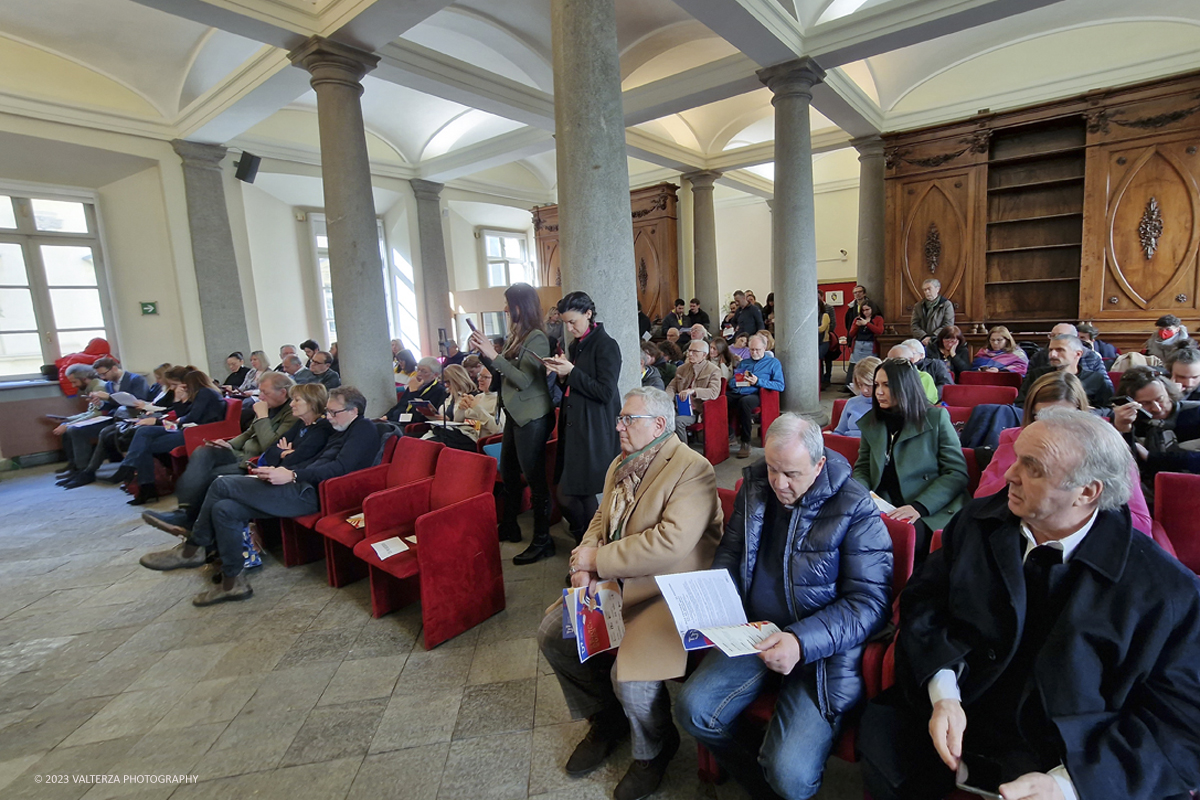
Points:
[(541, 547), (82, 478), (66, 477), (122, 474), (147, 493)]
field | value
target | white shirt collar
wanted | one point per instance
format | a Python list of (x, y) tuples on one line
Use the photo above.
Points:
[(1067, 544)]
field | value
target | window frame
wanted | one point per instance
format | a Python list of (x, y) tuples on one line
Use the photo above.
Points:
[(482, 234)]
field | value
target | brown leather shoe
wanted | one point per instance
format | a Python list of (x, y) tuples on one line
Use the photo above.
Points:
[(643, 777), (606, 732), (745, 451)]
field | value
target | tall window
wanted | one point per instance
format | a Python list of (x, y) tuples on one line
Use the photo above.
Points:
[(507, 254), (53, 298)]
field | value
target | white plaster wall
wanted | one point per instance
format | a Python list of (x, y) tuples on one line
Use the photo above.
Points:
[(280, 274), (837, 229), (462, 253), (743, 252)]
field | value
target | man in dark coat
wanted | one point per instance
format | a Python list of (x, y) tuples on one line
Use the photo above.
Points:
[(1066, 353), (1045, 639), (807, 551), (696, 314), (1089, 361), (749, 316)]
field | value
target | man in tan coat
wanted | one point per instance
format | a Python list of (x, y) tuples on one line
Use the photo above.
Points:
[(660, 515), (697, 381)]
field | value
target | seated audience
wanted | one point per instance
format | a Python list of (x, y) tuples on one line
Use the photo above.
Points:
[(423, 385), (768, 312), (1065, 354), (697, 332), (310, 347), (1162, 431), (934, 368), (651, 375), (1045, 645), (472, 407), (676, 319), (903, 351), (1184, 368), (1090, 336), (1171, 334), (78, 441), (238, 371), (453, 354), (406, 365), (660, 515), (673, 354), (769, 338), (258, 368), (664, 363), (1001, 354), (335, 365), (474, 366), (950, 347), (931, 314), (672, 335), (284, 352), (1090, 361), (909, 453), (697, 381), (720, 354), (274, 416), (1052, 390), (87, 382), (697, 316), (741, 345), (294, 367), (321, 366), (865, 326), (729, 321), (270, 491), (798, 507), (759, 371), (204, 405), (863, 400)]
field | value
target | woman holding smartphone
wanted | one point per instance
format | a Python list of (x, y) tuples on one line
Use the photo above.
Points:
[(526, 399), (587, 440)]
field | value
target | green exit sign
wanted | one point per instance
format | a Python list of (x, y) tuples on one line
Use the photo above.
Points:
[(149, 308)]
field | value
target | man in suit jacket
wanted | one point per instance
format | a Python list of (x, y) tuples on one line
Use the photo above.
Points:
[(660, 515), (293, 366), (78, 443), (1047, 639)]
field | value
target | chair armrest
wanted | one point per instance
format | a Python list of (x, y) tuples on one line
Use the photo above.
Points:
[(396, 506), (347, 492), (194, 437), (416, 429), (450, 536)]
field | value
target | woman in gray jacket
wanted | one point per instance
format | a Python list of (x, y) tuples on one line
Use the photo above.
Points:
[(525, 397)]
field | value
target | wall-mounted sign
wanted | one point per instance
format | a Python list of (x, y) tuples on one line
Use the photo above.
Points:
[(833, 298), (149, 308)]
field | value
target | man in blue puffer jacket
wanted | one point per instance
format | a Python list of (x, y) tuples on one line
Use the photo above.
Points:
[(808, 551)]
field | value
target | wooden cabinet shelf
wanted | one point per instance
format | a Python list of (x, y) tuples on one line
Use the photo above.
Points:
[(1035, 247), (1068, 215), (1042, 156), (1033, 184), (1031, 280)]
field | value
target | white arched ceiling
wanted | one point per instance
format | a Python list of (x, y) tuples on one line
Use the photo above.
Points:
[(1039, 63), (669, 51), (30, 71), (837, 9), (296, 127), (469, 127), (478, 38), (861, 73), (211, 61)]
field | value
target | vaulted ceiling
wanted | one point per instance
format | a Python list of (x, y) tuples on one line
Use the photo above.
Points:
[(464, 90)]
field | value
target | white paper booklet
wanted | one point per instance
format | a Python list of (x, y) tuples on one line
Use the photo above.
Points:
[(83, 423), (124, 398), (883, 505), (389, 547), (708, 611)]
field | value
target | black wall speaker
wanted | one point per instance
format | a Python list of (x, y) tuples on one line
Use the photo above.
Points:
[(247, 167)]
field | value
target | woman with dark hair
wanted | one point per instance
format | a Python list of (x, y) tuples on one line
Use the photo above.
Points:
[(237, 371), (406, 366), (310, 349), (587, 440), (154, 436), (525, 397), (1002, 354), (909, 453), (768, 312), (951, 346), (720, 354), (861, 337)]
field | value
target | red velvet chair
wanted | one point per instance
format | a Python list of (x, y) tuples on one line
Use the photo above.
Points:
[(972, 378), (1175, 509), (836, 415), (714, 425), (341, 498), (768, 412), (454, 567), (846, 445), (959, 413), (971, 396), (195, 436), (1115, 377), (974, 473)]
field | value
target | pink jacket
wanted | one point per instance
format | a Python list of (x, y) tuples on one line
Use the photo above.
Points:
[(992, 480)]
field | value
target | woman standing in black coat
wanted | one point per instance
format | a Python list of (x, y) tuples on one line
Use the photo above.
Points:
[(587, 425)]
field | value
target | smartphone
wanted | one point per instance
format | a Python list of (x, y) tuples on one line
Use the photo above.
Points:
[(1123, 400), (471, 325), (424, 407), (980, 776)]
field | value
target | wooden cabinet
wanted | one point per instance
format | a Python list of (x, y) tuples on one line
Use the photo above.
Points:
[(655, 223), (1083, 209)]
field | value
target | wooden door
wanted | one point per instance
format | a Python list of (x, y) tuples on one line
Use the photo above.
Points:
[(1142, 228)]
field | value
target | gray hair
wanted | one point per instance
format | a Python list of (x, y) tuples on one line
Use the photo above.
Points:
[(1103, 454), (933, 281), (84, 372), (293, 360), (290, 347), (277, 380), (1074, 341), (792, 427), (760, 337), (658, 403), (432, 364), (1068, 327), (915, 347)]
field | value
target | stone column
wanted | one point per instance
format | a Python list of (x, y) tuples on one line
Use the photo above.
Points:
[(793, 233), (221, 308), (704, 233), (593, 174), (359, 299), (771, 267), (435, 277), (871, 209)]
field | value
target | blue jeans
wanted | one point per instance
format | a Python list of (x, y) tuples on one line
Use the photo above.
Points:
[(791, 761), (147, 443)]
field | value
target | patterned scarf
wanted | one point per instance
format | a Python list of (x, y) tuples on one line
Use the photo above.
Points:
[(629, 476)]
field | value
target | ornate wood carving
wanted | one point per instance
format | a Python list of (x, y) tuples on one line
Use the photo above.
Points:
[(975, 143), (933, 246), (1150, 228)]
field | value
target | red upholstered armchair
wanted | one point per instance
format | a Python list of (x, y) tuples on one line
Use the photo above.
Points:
[(1175, 510), (972, 378), (835, 416), (971, 396), (197, 435), (714, 424), (846, 445), (454, 567), (768, 411), (412, 460)]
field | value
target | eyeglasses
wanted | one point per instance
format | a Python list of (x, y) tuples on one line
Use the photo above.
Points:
[(627, 419), (329, 412)]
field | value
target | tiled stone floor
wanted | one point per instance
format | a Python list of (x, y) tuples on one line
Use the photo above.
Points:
[(106, 668)]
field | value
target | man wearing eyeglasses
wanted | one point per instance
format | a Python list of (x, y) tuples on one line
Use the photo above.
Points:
[(233, 500), (660, 515), (322, 367)]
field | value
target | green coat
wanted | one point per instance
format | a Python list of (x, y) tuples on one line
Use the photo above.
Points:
[(263, 433), (523, 390), (929, 463)]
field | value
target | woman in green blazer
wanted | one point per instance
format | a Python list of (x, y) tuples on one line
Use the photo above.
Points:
[(910, 454), (525, 397)]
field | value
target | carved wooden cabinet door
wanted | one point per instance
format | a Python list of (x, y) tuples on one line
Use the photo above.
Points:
[(651, 292), (1142, 228), (934, 225)]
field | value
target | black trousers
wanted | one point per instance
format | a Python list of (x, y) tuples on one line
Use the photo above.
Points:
[(523, 455), (106, 447), (579, 510), (78, 443), (741, 409)]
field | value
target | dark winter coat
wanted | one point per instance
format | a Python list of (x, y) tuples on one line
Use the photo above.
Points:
[(587, 425)]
